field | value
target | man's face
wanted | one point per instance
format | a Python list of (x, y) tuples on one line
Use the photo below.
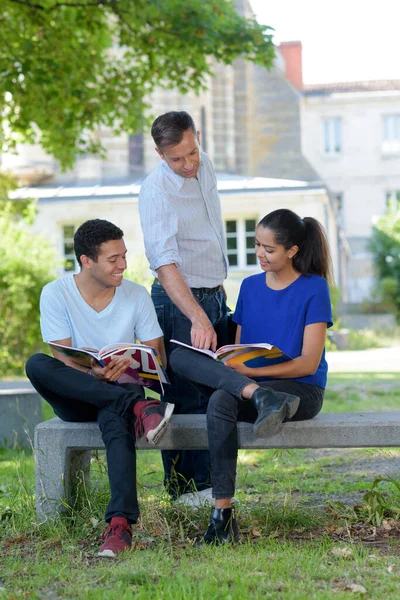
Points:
[(184, 158), (110, 265)]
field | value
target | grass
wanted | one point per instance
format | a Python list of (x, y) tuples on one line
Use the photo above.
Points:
[(306, 530)]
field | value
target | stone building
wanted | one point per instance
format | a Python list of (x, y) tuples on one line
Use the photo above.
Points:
[(351, 135)]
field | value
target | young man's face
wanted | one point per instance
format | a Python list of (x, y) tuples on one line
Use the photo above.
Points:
[(110, 265), (184, 158)]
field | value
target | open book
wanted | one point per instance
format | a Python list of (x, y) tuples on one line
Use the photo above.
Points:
[(145, 369), (253, 355)]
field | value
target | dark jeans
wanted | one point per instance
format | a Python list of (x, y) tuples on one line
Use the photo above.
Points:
[(76, 396), (226, 407), (185, 469)]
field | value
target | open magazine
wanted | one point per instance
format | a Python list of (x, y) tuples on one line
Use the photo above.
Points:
[(145, 369), (253, 355)]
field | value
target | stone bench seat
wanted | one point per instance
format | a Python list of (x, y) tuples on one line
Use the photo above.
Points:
[(63, 450), (20, 412)]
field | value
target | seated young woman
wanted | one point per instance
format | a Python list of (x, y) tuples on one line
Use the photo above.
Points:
[(287, 305)]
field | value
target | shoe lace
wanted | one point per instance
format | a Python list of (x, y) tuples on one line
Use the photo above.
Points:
[(116, 529)]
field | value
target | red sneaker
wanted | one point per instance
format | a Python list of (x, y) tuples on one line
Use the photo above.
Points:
[(117, 536), (152, 418)]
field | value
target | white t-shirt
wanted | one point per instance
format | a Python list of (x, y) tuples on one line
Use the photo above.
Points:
[(65, 314)]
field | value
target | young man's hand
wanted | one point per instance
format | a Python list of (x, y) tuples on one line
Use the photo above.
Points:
[(112, 371)]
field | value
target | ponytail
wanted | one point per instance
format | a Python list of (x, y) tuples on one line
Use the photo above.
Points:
[(308, 234), (314, 255)]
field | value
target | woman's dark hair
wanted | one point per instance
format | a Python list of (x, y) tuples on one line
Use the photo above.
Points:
[(91, 234), (308, 234), (168, 129)]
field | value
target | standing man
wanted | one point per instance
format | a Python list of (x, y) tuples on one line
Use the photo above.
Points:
[(91, 309), (180, 212)]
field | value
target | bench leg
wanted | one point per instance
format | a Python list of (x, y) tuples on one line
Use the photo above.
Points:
[(59, 471)]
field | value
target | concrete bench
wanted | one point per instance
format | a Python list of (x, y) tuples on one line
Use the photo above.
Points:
[(63, 450), (20, 412)]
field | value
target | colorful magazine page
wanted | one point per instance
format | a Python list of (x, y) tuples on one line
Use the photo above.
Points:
[(145, 369), (255, 357)]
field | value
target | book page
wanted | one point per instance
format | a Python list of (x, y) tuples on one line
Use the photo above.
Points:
[(82, 355), (145, 366), (208, 352), (254, 356), (229, 347), (111, 348)]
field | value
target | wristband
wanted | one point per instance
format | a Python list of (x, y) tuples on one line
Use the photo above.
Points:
[(89, 372)]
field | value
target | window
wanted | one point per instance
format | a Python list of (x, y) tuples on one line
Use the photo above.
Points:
[(70, 262), (332, 136), (391, 133), (393, 201), (339, 207), (240, 243), (136, 152)]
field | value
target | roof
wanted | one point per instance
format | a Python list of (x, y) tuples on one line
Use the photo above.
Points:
[(227, 183), (382, 85)]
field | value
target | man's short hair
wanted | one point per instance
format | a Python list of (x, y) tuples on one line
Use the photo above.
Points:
[(168, 129), (91, 234)]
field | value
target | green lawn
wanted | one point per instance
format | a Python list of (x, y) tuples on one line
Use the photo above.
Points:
[(306, 530)]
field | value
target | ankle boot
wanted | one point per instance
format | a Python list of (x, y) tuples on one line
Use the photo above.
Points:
[(272, 408), (223, 528)]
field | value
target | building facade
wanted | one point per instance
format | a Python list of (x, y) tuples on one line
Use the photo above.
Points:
[(351, 136)]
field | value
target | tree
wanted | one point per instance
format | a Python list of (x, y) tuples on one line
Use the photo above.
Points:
[(385, 245), (27, 263), (70, 67)]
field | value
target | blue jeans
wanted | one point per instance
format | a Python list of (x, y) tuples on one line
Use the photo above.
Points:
[(76, 396), (226, 407), (187, 469)]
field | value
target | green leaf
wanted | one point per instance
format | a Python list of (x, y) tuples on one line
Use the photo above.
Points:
[(68, 70)]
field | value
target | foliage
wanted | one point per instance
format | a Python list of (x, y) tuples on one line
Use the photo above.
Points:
[(138, 270), (69, 68), (26, 262), (378, 504), (385, 245), (363, 339), (14, 209), (335, 299)]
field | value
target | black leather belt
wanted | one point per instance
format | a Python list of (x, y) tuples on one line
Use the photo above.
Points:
[(202, 290)]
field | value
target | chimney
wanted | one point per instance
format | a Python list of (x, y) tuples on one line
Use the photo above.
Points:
[(292, 55)]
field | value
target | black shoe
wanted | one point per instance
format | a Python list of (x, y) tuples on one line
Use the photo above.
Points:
[(273, 408), (223, 528)]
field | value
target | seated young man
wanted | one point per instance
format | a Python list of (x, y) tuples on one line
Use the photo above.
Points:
[(91, 309)]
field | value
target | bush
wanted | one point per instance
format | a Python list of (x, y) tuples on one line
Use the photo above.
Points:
[(385, 245), (27, 263)]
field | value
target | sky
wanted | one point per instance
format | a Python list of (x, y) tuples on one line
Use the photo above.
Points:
[(344, 40)]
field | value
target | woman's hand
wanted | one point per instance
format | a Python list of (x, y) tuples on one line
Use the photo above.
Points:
[(239, 368)]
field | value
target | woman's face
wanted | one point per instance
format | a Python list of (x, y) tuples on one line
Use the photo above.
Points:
[(272, 256)]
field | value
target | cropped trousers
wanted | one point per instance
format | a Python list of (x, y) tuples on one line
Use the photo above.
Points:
[(223, 386)]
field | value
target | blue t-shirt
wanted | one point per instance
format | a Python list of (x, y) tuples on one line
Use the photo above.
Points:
[(278, 317)]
